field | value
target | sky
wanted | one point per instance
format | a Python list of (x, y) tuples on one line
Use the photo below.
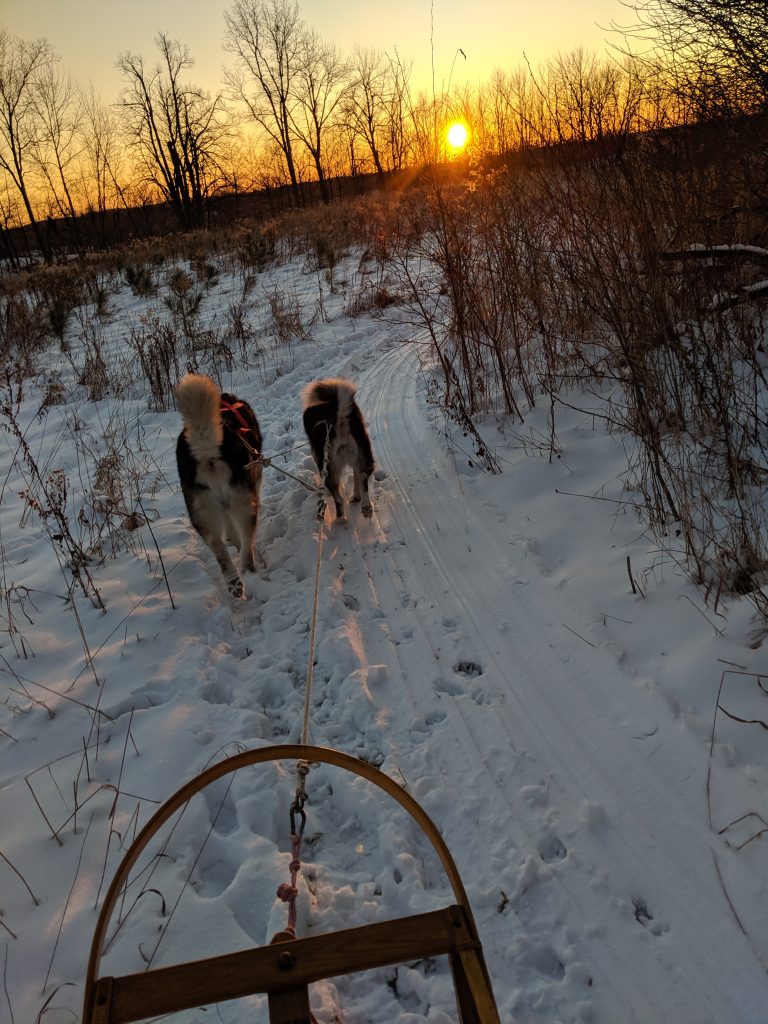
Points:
[(89, 34)]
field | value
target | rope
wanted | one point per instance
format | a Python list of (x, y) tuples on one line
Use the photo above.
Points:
[(312, 631), (288, 891), (324, 473), (263, 460)]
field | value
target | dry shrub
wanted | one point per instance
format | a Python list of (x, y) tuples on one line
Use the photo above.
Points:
[(46, 496), (286, 324), (325, 232), (553, 272), (58, 292), (95, 376), (140, 279), (184, 300), (113, 510), (372, 297), (256, 250), (23, 331), (157, 347)]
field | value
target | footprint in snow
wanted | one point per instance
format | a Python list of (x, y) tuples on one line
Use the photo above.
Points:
[(546, 961), (222, 808), (217, 692), (449, 687), (480, 696), (552, 849), (644, 917), (213, 877), (468, 668), (420, 728), (141, 699)]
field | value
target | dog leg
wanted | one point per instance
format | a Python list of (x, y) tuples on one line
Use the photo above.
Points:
[(361, 492), (332, 483), (232, 536), (228, 570), (242, 519), (248, 543)]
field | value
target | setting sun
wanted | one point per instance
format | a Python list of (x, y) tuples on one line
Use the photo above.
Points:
[(457, 135)]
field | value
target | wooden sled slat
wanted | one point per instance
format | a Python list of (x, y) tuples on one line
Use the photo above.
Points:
[(286, 965), (291, 1007)]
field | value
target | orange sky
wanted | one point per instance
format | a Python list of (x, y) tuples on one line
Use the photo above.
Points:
[(89, 34)]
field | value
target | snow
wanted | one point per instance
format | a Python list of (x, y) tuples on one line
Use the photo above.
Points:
[(584, 750)]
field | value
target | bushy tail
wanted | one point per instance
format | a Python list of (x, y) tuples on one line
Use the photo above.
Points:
[(198, 399), (333, 391)]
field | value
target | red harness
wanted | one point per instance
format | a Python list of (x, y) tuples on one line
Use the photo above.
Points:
[(234, 408), (244, 428)]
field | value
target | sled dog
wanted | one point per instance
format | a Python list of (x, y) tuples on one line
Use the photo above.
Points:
[(220, 489), (338, 437)]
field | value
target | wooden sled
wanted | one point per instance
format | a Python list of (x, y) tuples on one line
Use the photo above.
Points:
[(284, 969)]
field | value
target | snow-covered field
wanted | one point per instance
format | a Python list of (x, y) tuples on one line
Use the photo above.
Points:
[(477, 639)]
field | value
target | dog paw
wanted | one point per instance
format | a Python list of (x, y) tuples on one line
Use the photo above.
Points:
[(367, 511), (236, 588)]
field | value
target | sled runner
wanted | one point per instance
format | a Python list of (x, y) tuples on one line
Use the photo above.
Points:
[(285, 968)]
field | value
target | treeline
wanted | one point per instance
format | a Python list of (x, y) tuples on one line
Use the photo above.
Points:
[(294, 109)]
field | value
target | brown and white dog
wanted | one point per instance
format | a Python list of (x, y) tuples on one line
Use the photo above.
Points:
[(220, 488), (338, 437)]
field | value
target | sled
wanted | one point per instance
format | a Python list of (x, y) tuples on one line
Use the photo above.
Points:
[(285, 968)]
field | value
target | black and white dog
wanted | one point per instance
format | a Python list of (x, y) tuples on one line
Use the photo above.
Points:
[(338, 437), (220, 488)]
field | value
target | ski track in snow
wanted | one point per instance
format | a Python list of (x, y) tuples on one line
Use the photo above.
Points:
[(512, 731)]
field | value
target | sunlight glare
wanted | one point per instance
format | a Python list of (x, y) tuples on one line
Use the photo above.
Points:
[(457, 135)]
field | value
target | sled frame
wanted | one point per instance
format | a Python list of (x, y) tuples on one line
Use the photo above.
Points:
[(286, 967)]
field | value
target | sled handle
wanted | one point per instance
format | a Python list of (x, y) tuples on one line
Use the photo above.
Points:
[(261, 755)]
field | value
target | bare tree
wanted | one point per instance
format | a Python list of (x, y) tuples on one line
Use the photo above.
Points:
[(9, 218), (266, 38), (101, 159), (58, 110), (320, 84), (590, 97), (719, 46), (178, 128), (21, 65), (365, 105), (399, 141)]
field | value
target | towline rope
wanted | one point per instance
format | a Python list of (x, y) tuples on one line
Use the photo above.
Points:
[(288, 891)]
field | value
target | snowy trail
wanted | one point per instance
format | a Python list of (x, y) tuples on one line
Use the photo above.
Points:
[(482, 658), (589, 872)]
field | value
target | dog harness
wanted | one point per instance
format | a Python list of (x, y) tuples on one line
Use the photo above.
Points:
[(234, 408), (245, 427)]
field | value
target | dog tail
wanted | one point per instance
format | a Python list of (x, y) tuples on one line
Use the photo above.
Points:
[(198, 399), (336, 392)]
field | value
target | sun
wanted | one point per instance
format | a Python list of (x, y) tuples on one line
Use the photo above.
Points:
[(457, 135)]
